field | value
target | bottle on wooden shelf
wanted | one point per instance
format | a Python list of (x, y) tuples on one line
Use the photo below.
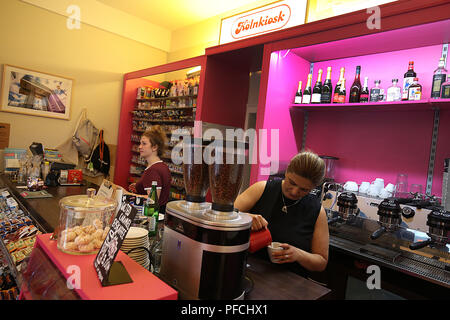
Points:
[(355, 90), (408, 80), (445, 89), (375, 93), (298, 94), (364, 97), (394, 92), (307, 93), (327, 89), (338, 85), (439, 77), (317, 90), (415, 90), (342, 92)]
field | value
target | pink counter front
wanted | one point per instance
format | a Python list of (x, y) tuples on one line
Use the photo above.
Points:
[(145, 285)]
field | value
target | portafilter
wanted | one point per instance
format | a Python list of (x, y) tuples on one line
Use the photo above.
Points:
[(438, 222), (347, 207), (389, 217)]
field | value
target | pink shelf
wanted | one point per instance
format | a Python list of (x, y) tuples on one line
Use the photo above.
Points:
[(421, 105)]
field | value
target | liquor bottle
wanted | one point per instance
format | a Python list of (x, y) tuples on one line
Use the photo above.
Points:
[(342, 92), (408, 80), (151, 210), (375, 92), (355, 90), (307, 92), (327, 88), (298, 94), (394, 93), (317, 90), (364, 97), (439, 77), (445, 89), (338, 84), (415, 90)]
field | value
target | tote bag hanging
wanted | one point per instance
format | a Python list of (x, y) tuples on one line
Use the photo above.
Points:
[(85, 136)]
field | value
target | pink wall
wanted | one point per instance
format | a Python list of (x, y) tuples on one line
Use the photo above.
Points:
[(385, 67), (285, 71), (370, 144), (373, 145)]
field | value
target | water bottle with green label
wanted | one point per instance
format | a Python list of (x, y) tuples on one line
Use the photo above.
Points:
[(151, 210)]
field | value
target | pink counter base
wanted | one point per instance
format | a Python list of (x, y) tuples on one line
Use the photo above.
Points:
[(145, 285)]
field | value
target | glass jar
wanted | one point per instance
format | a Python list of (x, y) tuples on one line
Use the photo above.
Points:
[(84, 222)]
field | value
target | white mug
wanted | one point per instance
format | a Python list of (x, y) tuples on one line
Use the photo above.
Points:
[(373, 190), (390, 187), (379, 182), (364, 187), (385, 194), (351, 186)]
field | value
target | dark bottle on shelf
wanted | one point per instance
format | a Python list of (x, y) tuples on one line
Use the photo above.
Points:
[(338, 85), (317, 90), (307, 93), (364, 97), (342, 92), (355, 90), (439, 77), (298, 94), (445, 89), (327, 88), (408, 80)]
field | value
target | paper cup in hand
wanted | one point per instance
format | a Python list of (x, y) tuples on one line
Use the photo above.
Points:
[(274, 246)]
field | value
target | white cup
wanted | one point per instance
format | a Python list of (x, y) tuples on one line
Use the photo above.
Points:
[(379, 182), (364, 187), (274, 246), (351, 186), (373, 190), (390, 188), (385, 194)]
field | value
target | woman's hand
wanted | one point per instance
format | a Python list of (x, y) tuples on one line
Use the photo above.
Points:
[(289, 254), (258, 222), (132, 188)]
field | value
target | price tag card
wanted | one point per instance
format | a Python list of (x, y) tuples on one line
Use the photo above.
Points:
[(108, 271)]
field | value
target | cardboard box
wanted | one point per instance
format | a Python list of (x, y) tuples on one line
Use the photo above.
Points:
[(75, 176)]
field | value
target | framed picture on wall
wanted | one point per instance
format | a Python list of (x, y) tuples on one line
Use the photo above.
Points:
[(35, 93)]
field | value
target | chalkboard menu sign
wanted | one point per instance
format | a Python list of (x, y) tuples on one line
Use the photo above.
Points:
[(108, 271)]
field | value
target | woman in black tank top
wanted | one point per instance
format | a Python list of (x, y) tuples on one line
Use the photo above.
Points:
[(293, 215)]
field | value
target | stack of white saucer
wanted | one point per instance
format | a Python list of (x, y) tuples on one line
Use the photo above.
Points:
[(136, 238)]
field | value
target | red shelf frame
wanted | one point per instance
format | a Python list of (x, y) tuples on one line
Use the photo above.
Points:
[(131, 82), (421, 105)]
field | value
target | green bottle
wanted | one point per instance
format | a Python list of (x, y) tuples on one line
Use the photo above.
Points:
[(151, 210)]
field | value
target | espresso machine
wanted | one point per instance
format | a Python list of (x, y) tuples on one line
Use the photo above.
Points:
[(205, 244), (347, 208)]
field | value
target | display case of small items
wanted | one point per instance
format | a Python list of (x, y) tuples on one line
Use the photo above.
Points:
[(17, 232), (8, 285)]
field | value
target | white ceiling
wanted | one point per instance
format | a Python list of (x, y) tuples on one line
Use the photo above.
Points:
[(176, 14)]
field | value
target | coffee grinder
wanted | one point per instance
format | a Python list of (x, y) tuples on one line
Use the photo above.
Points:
[(205, 244)]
